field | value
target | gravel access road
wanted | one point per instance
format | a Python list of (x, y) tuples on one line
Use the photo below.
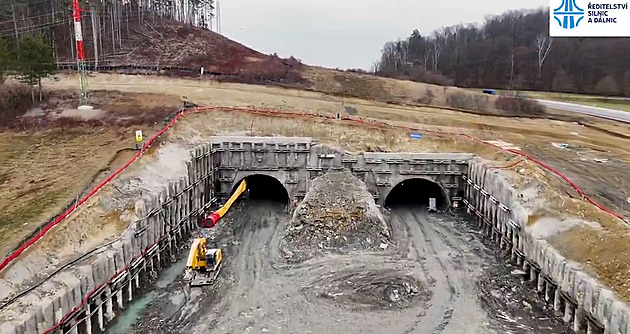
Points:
[(438, 277)]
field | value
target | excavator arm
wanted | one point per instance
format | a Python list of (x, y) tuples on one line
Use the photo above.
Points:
[(214, 217)]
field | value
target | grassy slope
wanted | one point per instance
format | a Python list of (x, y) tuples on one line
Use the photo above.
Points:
[(44, 169)]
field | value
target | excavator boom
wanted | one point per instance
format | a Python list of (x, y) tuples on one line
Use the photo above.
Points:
[(214, 217), (205, 264)]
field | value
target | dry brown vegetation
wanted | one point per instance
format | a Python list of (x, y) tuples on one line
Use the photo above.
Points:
[(517, 106), (46, 161), (369, 87), (15, 100)]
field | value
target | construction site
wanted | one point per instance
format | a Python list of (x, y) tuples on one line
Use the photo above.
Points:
[(317, 200)]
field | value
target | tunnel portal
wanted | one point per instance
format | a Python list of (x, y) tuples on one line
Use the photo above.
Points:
[(417, 191), (264, 187)]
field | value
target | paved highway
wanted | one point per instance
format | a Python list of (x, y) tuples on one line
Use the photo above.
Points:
[(612, 114)]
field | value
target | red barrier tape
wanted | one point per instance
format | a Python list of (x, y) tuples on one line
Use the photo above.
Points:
[(61, 217), (357, 120)]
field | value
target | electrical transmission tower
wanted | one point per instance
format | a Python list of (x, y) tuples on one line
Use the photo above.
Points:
[(78, 33)]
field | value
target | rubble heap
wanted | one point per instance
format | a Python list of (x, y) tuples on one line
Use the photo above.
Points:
[(337, 214)]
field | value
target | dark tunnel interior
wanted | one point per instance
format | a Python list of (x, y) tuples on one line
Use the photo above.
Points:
[(264, 187), (416, 192)]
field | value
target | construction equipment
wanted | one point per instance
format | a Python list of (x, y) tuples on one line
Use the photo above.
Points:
[(203, 264), (214, 217)]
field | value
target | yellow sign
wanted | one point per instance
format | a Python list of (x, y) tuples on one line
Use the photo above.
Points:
[(139, 136)]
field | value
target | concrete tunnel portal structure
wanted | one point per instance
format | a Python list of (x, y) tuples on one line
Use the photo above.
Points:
[(281, 168), (295, 162)]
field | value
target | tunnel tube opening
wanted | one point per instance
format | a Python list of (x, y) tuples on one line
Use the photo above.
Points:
[(417, 192), (264, 187)]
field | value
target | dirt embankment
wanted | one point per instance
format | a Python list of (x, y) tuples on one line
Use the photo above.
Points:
[(338, 214), (48, 160)]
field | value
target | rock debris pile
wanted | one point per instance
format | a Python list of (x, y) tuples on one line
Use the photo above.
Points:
[(337, 214), (373, 289)]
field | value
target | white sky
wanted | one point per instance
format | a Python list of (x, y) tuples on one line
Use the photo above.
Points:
[(346, 33)]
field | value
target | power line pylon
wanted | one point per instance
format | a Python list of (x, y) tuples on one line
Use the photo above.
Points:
[(78, 33)]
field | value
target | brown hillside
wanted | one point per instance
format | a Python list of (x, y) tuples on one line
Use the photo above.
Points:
[(169, 43)]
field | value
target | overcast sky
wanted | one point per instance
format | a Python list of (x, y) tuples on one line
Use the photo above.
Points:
[(346, 33)]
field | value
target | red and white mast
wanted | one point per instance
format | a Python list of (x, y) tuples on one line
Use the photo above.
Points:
[(78, 33)]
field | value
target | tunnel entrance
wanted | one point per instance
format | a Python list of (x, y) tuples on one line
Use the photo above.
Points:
[(417, 192), (264, 187)]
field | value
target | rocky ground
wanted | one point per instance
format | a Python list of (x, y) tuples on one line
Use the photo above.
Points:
[(338, 214), (437, 277)]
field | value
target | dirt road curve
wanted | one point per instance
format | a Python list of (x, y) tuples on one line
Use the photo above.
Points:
[(439, 278)]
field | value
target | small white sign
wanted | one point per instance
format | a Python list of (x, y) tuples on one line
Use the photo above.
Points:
[(583, 18), (432, 206), (139, 136)]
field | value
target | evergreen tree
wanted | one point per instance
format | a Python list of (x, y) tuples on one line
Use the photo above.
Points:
[(37, 61), (607, 86)]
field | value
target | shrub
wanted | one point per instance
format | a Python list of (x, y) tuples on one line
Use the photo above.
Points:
[(419, 74), (15, 100), (357, 70), (463, 100), (607, 86), (519, 106), (427, 98)]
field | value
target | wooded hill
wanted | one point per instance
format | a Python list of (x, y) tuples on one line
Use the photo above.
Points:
[(107, 25), (511, 51)]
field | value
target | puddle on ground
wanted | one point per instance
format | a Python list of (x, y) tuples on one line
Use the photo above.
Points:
[(169, 275), (123, 322)]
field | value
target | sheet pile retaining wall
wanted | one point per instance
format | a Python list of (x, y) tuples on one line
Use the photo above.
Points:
[(90, 292), (582, 301)]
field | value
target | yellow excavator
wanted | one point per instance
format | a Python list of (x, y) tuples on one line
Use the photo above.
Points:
[(204, 264)]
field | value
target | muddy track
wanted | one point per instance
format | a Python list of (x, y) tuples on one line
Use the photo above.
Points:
[(438, 278)]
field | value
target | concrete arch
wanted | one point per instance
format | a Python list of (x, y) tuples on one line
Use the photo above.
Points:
[(257, 179), (416, 185)]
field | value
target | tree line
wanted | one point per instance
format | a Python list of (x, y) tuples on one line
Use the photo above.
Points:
[(510, 51)]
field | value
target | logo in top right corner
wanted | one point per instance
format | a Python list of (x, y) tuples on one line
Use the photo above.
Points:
[(568, 15), (595, 18)]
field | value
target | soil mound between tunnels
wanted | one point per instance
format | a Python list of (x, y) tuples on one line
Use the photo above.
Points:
[(338, 214)]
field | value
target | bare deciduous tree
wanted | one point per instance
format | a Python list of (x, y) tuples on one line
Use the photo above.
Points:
[(437, 49), (542, 47)]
